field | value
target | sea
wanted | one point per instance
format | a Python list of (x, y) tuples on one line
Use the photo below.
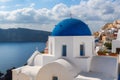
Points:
[(16, 54)]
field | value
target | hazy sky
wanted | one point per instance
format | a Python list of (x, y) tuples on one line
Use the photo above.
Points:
[(44, 14)]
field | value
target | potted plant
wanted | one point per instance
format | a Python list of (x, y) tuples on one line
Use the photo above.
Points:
[(102, 53), (108, 45), (113, 54)]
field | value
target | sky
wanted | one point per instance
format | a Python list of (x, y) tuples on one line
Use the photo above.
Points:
[(45, 14)]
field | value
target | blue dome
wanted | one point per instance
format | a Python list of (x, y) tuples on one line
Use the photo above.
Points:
[(71, 27)]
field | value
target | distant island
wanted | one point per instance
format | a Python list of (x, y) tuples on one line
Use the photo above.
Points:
[(23, 35)]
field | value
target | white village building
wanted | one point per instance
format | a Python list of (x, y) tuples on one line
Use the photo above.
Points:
[(116, 44), (71, 56)]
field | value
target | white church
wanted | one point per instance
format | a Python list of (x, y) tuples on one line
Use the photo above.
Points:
[(71, 56)]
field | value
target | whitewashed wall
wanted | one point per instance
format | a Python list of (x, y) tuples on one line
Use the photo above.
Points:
[(115, 44), (73, 49)]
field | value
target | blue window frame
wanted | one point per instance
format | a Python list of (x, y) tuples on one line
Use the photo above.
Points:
[(82, 50), (64, 50), (54, 78)]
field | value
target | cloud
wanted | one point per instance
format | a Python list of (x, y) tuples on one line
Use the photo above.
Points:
[(5, 0), (2, 7), (61, 11), (94, 12), (32, 4)]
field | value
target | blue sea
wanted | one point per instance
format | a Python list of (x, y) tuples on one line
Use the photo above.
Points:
[(16, 54)]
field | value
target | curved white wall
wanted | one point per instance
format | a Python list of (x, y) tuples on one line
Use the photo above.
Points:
[(54, 69)]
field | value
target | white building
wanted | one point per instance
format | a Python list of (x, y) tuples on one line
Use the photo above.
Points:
[(70, 57), (116, 44)]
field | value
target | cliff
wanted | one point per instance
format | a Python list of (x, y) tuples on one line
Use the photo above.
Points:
[(23, 35)]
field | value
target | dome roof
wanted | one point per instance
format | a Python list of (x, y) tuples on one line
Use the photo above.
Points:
[(71, 27)]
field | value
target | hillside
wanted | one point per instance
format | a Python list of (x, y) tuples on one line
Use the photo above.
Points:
[(23, 35), (104, 38)]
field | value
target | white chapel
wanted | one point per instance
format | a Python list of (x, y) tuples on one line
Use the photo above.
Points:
[(71, 56)]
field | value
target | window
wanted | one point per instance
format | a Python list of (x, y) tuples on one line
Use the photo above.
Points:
[(82, 50), (64, 51), (55, 78)]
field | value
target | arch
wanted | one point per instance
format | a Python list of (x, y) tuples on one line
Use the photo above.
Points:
[(60, 68)]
